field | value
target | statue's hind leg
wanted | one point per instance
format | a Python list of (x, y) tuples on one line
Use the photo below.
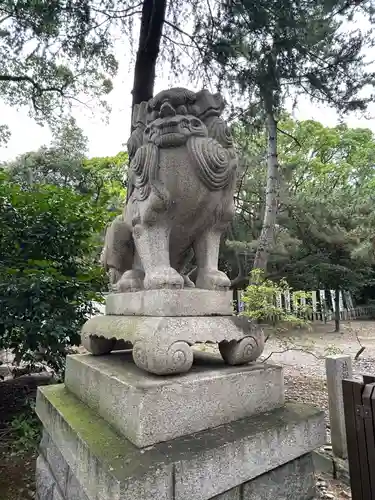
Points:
[(132, 280)]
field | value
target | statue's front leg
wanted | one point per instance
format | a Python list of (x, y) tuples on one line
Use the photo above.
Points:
[(206, 250), (152, 243)]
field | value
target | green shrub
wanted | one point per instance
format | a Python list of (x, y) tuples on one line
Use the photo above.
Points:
[(49, 277), (260, 303)]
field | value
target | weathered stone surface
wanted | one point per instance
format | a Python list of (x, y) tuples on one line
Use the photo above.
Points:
[(171, 302), (47, 487), (68, 485), (294, 480), (45, 482), (55, 460), (57, 495), (105, 465), (233, 494), (182, 178), (74, 490), (337, 369), (162, 345), (200, 466), (148, 409)]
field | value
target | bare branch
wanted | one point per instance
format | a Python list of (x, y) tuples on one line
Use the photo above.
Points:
[(120, 13), (297, 349), (36, 85), (291, 136), (195, 43)]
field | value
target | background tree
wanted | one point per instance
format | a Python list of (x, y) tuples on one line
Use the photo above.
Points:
[(57, 53), (54, 52), (325, 224), (150, 36), (64, 164), (269, 50)]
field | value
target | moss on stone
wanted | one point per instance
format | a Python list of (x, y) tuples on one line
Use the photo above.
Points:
[(119, 327), (105, 442), (121, 456)]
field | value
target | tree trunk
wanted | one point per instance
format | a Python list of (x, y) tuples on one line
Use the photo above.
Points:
[(272, 194), (152, 21), (337, 310)]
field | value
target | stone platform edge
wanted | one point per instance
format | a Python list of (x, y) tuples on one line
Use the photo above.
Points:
[(147, 409), (109, 466), (171, 302)]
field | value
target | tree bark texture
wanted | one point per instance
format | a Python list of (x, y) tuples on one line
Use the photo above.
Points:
[(152, 21), (272, 194)]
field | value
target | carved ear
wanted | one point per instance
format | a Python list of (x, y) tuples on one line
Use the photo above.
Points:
[(139, 115), (135, 141), (143, 170), (209, 104), (219, 130), (138, 124)]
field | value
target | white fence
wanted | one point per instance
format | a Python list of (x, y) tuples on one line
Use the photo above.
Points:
[(323, 305)]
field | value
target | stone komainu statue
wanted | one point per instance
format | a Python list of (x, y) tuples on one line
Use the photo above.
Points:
[(180, 195)]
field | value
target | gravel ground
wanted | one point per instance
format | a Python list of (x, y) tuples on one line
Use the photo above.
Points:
[(302, 356), (303, 352), (328, 488)]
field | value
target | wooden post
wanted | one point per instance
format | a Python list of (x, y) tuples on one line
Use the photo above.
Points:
[(368, 397), (359, 408), (351, 438)]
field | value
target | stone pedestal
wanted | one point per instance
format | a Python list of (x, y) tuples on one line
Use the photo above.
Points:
[(148, 409), (162, 342), (217, 428), (114, 432)]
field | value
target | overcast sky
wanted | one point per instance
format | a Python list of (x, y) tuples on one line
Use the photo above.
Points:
[(107, 139)]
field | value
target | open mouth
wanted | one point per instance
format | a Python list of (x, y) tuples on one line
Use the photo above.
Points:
[(173, 126), (169, 129), (171, 139)]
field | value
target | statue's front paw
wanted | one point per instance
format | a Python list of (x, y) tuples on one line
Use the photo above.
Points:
[(212, 280), (163, 277), (187, 282), (130, 281)]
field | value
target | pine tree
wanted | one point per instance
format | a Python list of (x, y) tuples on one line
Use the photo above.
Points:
[(267, 50), (325, 223)]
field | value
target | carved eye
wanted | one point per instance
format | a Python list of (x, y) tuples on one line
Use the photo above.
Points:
[(195, 123), (181, 110), (147, 130)]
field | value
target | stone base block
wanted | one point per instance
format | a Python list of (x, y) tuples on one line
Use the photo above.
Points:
[(292, 481), (162, 345), (171, 302), (83, 455), (148, 409)]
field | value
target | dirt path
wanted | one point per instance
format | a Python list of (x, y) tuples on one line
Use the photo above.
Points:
[(302, 356), (303, 352)]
